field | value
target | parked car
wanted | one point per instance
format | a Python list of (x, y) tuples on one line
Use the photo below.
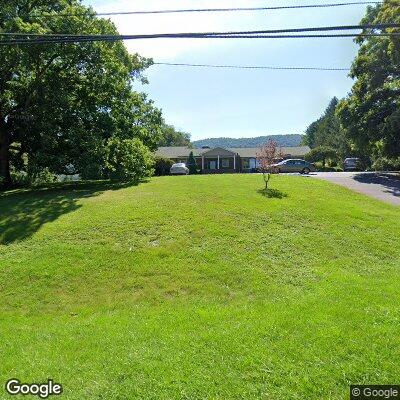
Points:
[(294, 165), (179, 169), (351, 164)]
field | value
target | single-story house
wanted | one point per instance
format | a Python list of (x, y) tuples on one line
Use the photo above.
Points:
[(219, 160)]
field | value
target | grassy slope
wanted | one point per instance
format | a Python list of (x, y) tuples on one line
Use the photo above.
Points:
[(200, 288)]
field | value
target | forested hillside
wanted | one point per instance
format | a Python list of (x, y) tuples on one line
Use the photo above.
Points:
[(282, 140)]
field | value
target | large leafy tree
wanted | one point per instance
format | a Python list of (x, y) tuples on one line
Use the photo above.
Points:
[(61, 103), (371, 113), (170, 136), (326, 131), (329, 127)]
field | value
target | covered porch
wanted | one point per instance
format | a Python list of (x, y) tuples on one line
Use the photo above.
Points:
[(218, 160)]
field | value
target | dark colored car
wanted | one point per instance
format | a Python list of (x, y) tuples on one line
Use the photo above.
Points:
[(294, 165), (351, 164)]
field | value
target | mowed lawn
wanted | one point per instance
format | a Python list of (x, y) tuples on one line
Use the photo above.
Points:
[(199, 287)]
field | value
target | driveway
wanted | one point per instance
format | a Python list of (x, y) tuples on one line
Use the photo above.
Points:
[(383, 186)]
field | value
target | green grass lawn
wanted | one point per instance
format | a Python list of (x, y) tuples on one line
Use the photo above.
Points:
[(199, 288)]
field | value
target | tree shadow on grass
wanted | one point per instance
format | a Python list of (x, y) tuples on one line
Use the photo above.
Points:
[(272, 193), (24, 211)]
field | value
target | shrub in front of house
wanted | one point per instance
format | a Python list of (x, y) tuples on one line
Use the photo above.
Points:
[(162, 165), (324, 155), (128, 160), (191, 164)]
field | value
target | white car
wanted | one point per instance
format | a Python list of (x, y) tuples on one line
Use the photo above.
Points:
[(179, 169)]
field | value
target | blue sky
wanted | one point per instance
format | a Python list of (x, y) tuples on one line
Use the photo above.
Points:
[(239, 103)]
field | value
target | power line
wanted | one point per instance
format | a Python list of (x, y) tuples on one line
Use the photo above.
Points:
[(192, 34), (208, 10), (258, 67), (37, 38), (116, 38), (252, 67)]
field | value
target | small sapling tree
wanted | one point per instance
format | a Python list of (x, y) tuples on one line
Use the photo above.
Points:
[(266, 157)]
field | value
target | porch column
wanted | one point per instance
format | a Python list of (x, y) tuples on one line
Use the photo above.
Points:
[(218, 163), (202, 163), (234, 162)]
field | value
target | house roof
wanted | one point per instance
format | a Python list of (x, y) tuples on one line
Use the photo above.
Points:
[(286, 151), (178, 152), (250, 152), (218, 151)]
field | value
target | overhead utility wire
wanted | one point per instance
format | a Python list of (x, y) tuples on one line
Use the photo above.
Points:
[(252, 67), (200, 10), (133, 37), (192, 34), (36, 38)]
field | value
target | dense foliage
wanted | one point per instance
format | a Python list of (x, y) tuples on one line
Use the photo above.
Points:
[(366, 124), (162, 165), (62, 105), (326, 131), (282, 140), (371, 113), (322, 154), (170, 136), (128, 160)]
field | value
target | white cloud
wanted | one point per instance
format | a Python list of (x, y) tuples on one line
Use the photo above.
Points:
[(216, 102), (168, 49)]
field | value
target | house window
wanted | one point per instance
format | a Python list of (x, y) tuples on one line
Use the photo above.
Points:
[(245, 163), (225, 163)]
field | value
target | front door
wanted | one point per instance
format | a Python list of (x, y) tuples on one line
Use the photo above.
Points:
[(213, 165)]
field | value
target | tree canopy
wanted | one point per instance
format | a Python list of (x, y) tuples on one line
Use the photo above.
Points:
[(170, 136), (326, 130), (61, 103), (371, 112)]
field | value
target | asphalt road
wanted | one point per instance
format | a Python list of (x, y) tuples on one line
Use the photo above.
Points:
[(384, 186)]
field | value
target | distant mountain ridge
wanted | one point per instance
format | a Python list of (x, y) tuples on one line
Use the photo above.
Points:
[(282, 140)]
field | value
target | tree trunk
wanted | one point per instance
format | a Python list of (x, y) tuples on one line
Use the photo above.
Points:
[(5, 177), (266, 179)]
